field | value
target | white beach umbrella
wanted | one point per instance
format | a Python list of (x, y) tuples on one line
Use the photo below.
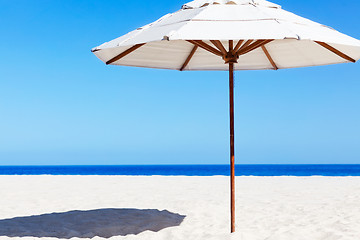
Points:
[(230, 35)]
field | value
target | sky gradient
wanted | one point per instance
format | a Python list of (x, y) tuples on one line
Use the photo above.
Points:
[(59, 104)]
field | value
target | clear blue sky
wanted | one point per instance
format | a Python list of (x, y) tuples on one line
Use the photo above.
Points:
[(60, 105)]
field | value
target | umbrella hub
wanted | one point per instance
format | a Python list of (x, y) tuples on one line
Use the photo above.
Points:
[(230, 57)]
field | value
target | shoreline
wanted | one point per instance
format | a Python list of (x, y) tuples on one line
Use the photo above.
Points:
[(194, 176)]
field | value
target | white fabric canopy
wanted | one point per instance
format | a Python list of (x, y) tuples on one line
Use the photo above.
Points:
[(296, 40)]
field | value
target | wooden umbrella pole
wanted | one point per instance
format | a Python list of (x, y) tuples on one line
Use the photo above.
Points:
[(232, 150), (230, 58)]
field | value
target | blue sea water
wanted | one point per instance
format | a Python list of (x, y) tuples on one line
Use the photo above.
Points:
[(187, 170)]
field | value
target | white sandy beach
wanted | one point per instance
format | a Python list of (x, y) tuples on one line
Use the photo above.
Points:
[(268, 208)]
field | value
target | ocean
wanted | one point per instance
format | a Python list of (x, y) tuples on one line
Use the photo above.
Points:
[(188, 170)]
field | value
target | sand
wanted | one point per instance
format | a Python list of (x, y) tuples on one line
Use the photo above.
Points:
[(164, 208)]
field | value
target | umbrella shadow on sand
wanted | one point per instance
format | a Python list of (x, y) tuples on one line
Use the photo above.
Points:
[(88, 224)]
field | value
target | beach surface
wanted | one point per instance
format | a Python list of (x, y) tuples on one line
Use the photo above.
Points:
[(166, 208)]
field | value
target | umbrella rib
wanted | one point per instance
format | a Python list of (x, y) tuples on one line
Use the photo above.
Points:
[(237, 47), (269, 57), (123, 54), (253, 46), (247, 43), (337, 52), (219, 45), (189, 58), (231, 45), (205, 46)]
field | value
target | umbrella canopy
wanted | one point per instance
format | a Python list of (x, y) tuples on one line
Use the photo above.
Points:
[(230, 35), (295, 41)]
